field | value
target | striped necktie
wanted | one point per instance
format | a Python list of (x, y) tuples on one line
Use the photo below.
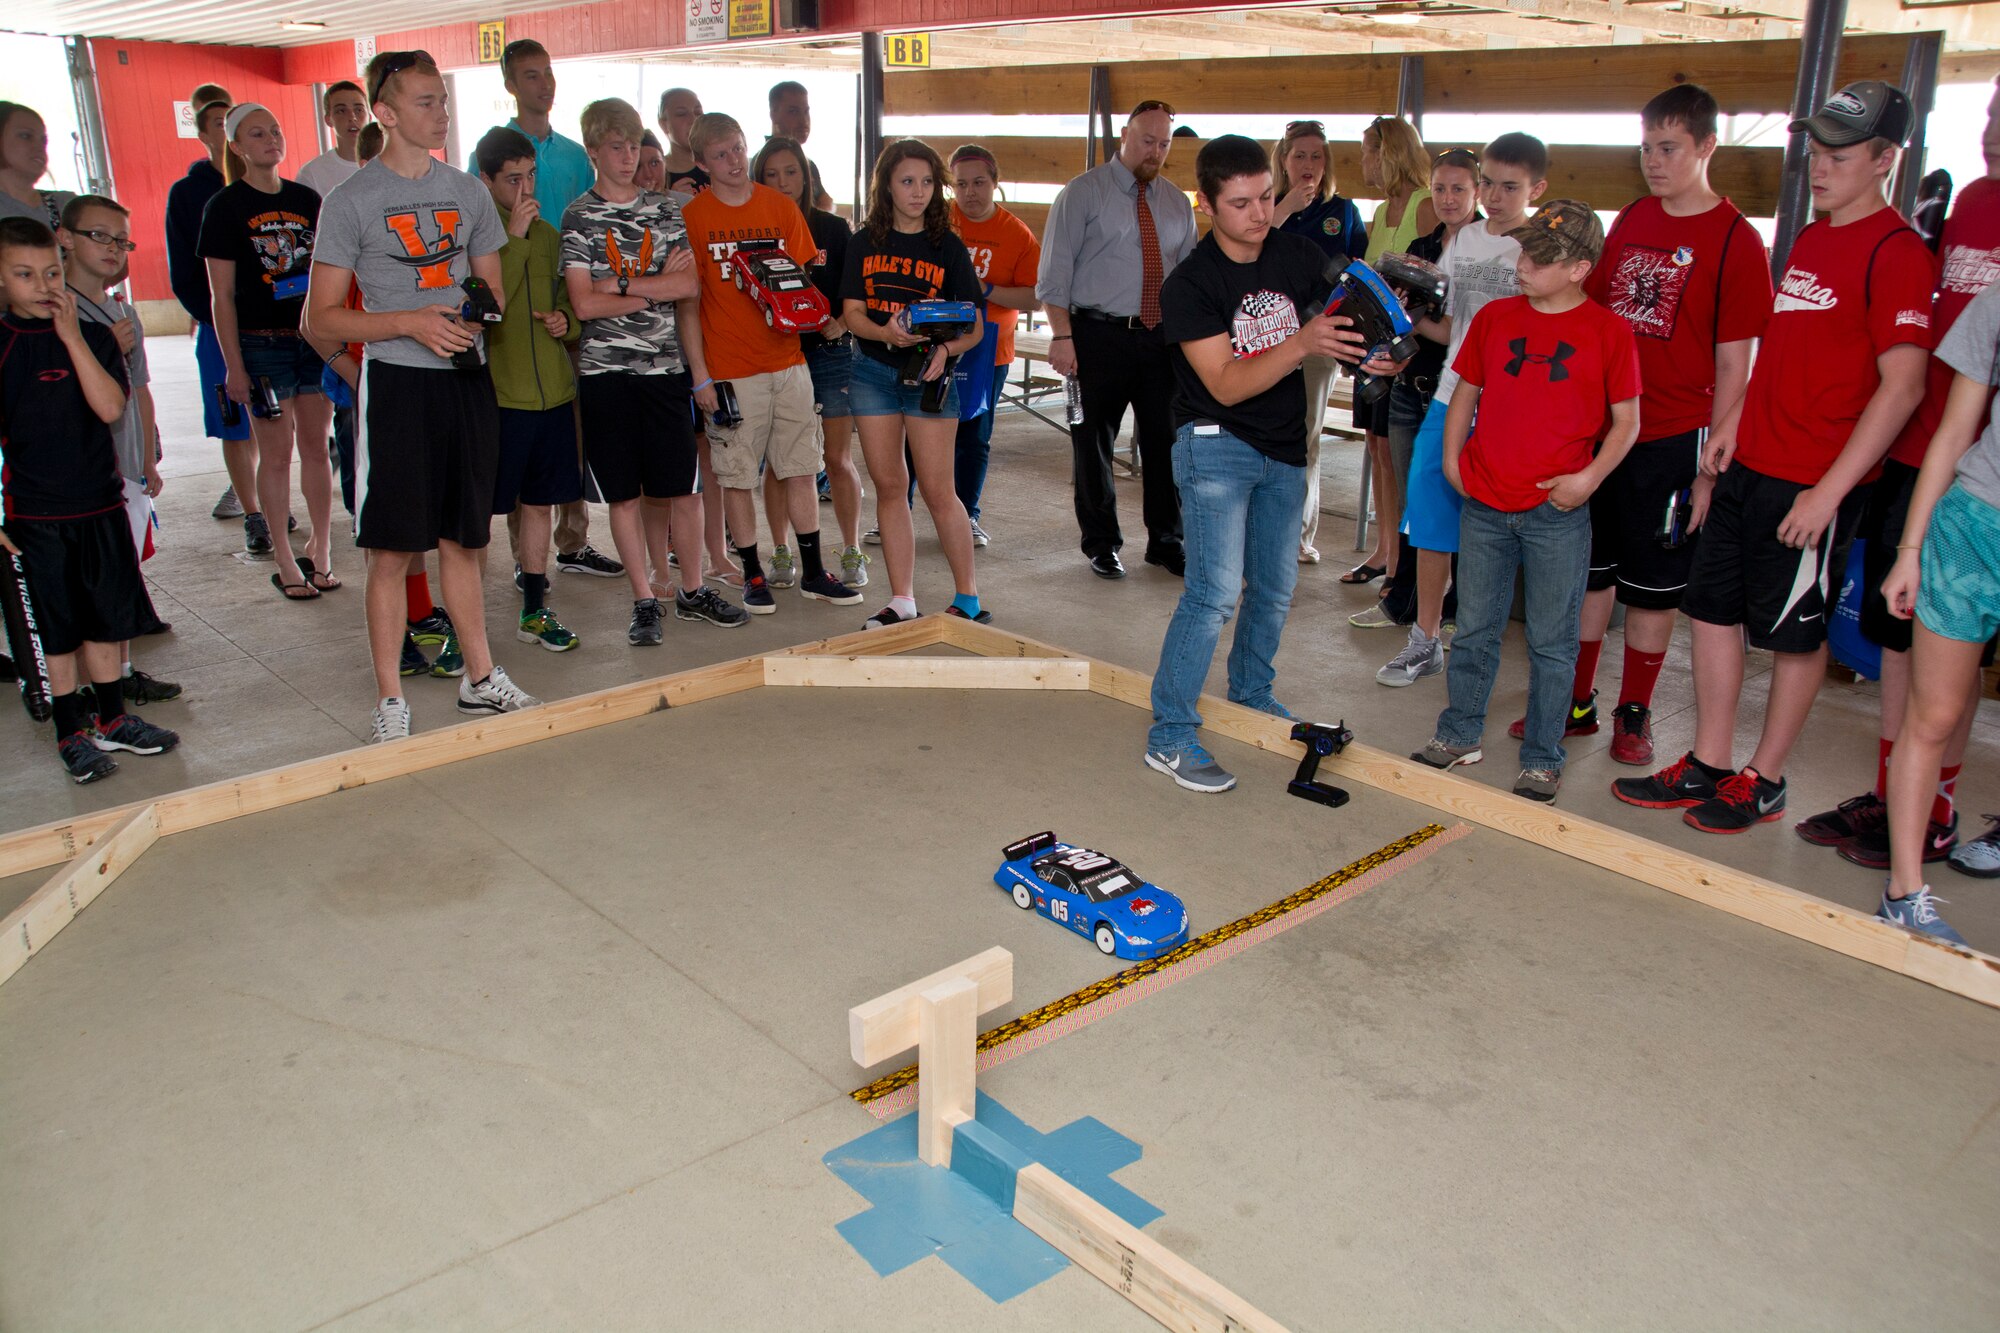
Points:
[(1150, 268)]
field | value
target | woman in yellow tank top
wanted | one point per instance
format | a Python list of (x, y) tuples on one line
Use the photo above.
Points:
[(1394, 164)]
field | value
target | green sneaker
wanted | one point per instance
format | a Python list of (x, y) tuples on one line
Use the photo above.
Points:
[(784, 571), (541, 626), (450, 661), (854, 568)]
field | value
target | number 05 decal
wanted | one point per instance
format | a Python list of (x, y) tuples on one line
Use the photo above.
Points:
[(1058, 909)]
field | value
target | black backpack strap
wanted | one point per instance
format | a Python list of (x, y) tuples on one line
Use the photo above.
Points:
[(1721, 267), (1868, 283)]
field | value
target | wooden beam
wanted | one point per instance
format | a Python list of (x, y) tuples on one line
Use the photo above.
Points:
[(888, 1025), (942, 673), (947, 1037), (1963, 971), (29, 927), (198, 807), (1133, 1264)]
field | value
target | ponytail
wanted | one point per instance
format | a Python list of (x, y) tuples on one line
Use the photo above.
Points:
[(234, 168)]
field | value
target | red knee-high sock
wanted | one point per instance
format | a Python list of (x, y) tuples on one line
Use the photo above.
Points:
[(1642, 673), (417, 592), (1946, 804), (1884, 748), (1586, 669)]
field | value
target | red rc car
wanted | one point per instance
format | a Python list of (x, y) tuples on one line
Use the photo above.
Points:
[(781, 289)]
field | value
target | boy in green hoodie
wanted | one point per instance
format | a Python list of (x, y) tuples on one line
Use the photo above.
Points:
[(532, 378)]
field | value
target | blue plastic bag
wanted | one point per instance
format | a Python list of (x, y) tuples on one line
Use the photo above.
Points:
[(1851, 648), (973, 375)]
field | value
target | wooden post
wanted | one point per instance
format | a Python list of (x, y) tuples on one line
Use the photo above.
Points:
[(34, 923), (944, 673), (947, 1031)]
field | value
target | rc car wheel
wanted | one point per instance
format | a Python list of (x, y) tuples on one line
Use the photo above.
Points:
[(770, 318), (736, 276), (1024, 899), (1107, 943)]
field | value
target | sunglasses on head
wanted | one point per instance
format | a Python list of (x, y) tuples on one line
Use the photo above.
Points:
[(1304, 126), (392, 64), (1151, 104), (1457, 157)]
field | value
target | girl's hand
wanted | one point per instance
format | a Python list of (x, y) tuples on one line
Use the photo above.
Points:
[(934, 366), (1899, 590), (237, 385)]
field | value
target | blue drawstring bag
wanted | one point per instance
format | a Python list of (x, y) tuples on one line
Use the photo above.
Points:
[(1851, 648), (335, 388), (973, 375)]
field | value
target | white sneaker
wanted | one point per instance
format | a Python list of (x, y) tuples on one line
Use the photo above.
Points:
[(392, 721), (979, 537), (495, 694), (228, 506), (1421, 656)]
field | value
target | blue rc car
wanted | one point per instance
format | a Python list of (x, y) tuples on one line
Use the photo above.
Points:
[(1092, 895)]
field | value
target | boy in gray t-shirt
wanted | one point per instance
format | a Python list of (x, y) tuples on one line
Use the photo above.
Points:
[(408, 230), (1947, 574)]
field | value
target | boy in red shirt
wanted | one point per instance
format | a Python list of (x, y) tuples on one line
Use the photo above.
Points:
[(1549, 373), (1841, 370), (1688, 272), (1858, 828)]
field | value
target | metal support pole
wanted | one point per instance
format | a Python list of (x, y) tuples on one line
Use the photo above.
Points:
[(871, 107), (96, 154), (1819, 60), (1920, 76), (1090, 140), (1410, 92)]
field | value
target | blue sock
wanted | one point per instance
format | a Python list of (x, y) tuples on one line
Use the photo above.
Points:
[(968, 603)]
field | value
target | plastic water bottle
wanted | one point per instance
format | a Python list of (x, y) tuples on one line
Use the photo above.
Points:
[(1073, 395)]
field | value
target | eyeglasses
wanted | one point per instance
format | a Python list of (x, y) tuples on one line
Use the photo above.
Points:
[(1151, 104), (392, 63), (108, 241)]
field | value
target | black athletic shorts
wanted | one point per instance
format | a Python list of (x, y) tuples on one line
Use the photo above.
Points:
[(638, 435), (1882, 520), (1743, 575), (538, 464), (1626, 518), (83, 577), (425, 453), (1373, 417)]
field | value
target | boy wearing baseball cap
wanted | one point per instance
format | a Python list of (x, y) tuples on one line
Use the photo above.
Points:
[(1842, 368), (1549, 373)]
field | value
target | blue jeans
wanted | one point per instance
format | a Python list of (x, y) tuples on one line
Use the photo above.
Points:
[(975, 447), (1240, 525), (1554, 550)]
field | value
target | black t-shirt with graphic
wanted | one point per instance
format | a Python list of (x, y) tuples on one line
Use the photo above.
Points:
[(690, 182), (60, 460), (1258, 305), (906, 268), (831, 235), (270, 238)]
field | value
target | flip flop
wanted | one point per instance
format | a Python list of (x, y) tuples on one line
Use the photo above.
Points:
[(323, 582), (1363, 574), (294, 592), (980, 619)]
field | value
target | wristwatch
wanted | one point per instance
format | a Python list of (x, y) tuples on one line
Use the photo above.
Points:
[(623, 283)]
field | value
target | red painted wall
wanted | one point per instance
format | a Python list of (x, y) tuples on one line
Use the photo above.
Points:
[(138, 96)]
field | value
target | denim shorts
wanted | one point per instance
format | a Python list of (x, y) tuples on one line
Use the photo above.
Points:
[(832, 368), (878, 391), (286, 360)]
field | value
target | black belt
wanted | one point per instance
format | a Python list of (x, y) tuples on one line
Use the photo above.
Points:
[(1128, 322)]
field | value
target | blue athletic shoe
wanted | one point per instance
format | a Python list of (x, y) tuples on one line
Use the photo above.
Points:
[(1918, 913)]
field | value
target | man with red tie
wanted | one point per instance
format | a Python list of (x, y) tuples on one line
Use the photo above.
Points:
[(1113, 235)]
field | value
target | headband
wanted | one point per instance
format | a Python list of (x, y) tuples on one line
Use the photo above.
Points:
[(237, 115)]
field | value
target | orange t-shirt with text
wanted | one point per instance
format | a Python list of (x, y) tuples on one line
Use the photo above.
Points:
[(735, 340), (1005, 254)]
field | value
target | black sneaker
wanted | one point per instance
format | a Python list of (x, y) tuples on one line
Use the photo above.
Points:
[(126, 732), (141, 688), (824, 587), (256, 536), (1871, 848), (85, 762), (1742, 800), (708, 604), (1581, 720), (588, 561), (414, 662), (645, 631), (433, 629), (757, 599), (1680, 784), (1849, 820)]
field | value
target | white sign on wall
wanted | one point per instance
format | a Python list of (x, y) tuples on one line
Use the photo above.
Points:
[(184, 120), (364, 51), (707, 21)]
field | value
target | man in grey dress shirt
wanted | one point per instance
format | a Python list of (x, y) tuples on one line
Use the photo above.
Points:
[(1114, 234)]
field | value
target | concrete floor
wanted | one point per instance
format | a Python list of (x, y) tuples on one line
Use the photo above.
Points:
[(547, 1046)]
